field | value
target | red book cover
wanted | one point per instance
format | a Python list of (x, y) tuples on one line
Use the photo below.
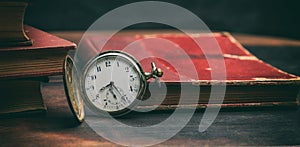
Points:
[(43, 58), (249, 80), (22, 68)]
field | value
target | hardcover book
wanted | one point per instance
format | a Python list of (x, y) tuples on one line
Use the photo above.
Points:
[(249, 81), (23, 68), (44, 58), (11, 23), (21, 96)]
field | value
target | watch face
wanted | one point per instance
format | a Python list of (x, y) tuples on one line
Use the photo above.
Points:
[(112, 82)]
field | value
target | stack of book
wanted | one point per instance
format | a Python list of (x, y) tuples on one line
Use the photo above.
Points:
[(27, 57)]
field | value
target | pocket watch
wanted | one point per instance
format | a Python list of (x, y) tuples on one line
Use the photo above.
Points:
[(72, 89), (113, 83)]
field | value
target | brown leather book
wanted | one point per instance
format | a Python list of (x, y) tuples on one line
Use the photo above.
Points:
[(44, 58), (11, 23), (249, 81), (23, 68), (21, 96)]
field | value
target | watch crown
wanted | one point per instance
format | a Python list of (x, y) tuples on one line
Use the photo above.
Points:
[(159, 72), (155, 73)]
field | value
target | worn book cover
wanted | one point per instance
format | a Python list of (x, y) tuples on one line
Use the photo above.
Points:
[(44, 58), (249, 81), (11, 23), (23, 68)]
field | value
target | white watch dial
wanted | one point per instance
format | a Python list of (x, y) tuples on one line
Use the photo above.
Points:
[(112, 83)]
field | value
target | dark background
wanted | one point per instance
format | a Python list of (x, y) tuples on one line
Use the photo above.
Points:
[(262, 17)]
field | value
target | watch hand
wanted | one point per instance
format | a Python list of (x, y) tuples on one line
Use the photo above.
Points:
[(103, 88), (111, 91), (116, 89), (123, 97)]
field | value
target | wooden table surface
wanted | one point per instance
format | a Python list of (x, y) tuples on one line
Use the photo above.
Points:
[(231, 127)]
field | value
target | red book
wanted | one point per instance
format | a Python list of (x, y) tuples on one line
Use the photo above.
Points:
[(249, 81), (23, 68), (43, 58)]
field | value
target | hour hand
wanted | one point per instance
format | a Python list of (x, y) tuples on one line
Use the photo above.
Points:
[(103, 88)]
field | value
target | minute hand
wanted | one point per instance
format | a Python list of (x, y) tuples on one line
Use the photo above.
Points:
[(116, 89)]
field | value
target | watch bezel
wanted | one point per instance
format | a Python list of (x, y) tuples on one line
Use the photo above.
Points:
[(71, 89), (128, 59)]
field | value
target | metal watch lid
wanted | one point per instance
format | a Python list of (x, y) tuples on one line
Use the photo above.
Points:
[(71, 85)]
